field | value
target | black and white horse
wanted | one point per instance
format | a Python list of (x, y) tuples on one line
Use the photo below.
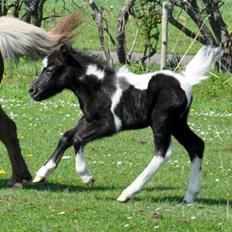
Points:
[(113, 101)]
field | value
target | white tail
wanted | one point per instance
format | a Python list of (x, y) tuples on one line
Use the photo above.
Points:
[(198, 68), (18, 38)]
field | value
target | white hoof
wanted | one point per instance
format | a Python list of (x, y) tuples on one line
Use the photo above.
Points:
[(38, 179), (188, 199), (123, 198)]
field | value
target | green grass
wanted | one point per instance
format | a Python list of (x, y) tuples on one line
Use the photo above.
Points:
[(64, 203)]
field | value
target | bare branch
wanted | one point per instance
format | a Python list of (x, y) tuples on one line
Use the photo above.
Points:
[(98, 14), (133, 45), (195, 15), (185, 30), (122, 20)]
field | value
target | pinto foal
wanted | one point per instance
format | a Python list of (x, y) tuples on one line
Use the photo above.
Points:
[(113, 101)]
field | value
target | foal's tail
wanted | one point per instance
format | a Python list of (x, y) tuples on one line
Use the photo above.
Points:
[(198, 68), (18, 38)]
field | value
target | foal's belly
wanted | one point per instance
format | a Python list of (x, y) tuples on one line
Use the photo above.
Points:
[(132, 109)]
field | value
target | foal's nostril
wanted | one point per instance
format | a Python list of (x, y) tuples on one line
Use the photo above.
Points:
[(32, 91)]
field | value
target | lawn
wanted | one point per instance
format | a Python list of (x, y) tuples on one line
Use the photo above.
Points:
[(64, 203)]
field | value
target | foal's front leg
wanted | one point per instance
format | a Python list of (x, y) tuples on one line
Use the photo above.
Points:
[(65, 142)]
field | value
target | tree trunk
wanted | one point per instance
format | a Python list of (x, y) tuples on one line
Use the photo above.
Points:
[(215, 33), (34, 12), (121, 36)]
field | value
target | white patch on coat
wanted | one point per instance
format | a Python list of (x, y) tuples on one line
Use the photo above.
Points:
[(94, 70), (139, 81), (194, 180), (46, 169), (115, 100), (45, 62)]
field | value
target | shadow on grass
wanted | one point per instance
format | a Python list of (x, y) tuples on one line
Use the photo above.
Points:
[(58, 187), (179, 200)]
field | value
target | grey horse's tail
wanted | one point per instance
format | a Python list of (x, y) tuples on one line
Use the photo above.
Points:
[(18, 38)]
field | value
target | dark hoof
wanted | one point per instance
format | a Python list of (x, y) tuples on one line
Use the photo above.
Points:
[(90, 184), (16, 182)]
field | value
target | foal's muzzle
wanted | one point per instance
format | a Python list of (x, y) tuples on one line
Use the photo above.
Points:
[(32, 91)]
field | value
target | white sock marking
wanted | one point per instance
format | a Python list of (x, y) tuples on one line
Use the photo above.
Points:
[(81, 167), (194, 180), (146, 174), (46, 169)]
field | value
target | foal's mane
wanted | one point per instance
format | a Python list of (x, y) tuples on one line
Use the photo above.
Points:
[(87, 58)]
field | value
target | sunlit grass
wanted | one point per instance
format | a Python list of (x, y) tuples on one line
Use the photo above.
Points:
[(64, 203)]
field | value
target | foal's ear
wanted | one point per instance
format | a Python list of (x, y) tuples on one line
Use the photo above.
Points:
[(65, 50)]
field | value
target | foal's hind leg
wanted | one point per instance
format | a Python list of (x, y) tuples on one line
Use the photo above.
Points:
[(8, 135), (162, 138), (195, 147)]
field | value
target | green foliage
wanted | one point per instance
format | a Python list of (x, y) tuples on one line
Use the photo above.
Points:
[(147, 14)]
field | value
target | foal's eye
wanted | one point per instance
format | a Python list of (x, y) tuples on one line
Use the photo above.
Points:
[(50, 69)]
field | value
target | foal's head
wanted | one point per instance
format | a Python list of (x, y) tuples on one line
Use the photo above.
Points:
[(58, 69)]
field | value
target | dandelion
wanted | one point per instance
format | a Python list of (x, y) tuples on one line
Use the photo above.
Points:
[(2, 172), (29, 155)]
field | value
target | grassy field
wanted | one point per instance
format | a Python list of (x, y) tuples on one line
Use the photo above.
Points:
[(64, 203)]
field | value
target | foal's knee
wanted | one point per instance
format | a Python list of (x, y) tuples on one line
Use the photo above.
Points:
[(66, 140), (78, 141)]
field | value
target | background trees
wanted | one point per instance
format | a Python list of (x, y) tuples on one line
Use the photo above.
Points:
[(212, 29), (200, 20)]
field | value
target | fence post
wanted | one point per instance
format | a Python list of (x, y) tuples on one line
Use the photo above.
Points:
[(164, 39)]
